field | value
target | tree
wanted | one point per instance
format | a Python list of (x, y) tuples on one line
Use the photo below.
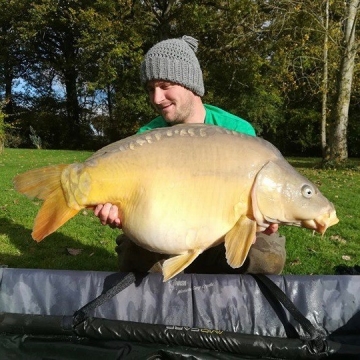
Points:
[(2, 131), (13, 61), (323, 131), (54, 30), (113, 39), (350, 47), (272, 63)]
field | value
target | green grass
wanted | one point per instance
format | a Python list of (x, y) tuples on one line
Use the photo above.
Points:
[(308, 253), (84, 232)]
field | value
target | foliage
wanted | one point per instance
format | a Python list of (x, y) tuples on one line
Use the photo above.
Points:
[(306, 253), (299, 135), (70, 69)]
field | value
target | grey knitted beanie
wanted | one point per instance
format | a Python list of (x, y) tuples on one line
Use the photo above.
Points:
[(174, 60)]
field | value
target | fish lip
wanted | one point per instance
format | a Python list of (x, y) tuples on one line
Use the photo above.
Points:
[(322, 222), (312, 224), (319, 224)]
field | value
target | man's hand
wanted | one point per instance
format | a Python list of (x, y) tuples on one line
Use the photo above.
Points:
[(271, 229), (108, 215)]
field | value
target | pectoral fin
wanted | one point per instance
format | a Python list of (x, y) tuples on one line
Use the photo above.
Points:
[(239, 240), (176, 264)]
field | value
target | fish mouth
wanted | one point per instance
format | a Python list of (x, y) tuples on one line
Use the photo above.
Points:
[(321, 223)]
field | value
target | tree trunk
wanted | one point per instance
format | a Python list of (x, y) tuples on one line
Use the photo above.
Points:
[(338, 146), (72, 106), (9, 106), (70, 79), (324, 145)]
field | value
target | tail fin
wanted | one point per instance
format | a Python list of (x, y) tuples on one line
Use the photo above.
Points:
[(53, 213), (45, 184), (39, 183)]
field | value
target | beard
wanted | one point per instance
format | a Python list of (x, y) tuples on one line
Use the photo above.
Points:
[(180, 115)]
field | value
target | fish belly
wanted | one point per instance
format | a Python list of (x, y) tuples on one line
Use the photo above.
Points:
[(177, 194), (174, 219)]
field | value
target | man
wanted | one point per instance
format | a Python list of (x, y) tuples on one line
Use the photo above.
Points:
[(172, 75)]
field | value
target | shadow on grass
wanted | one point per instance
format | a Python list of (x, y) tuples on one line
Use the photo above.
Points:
[(306, 163), (52, 253)]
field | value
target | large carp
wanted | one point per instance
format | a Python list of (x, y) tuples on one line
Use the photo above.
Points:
[(181, 190)]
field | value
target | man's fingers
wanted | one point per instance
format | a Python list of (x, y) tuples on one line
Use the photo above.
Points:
[(113, 213), (271, 229), (103, 213), (108, 214), (98, 209)]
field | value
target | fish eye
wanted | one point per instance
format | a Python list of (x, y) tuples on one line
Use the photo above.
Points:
[(307, 191)]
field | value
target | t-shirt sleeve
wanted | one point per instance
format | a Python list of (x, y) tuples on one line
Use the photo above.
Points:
[(245, 127), (220, 117), (158, 122)]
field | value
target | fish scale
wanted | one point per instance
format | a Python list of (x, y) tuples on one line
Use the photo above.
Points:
[(181, 190)]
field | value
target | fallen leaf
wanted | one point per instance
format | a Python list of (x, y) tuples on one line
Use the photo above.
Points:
[(346, 257), (74, 252), (295, 262), (338, 239)]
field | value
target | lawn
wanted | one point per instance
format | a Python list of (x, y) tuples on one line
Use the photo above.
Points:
[(84, 244)]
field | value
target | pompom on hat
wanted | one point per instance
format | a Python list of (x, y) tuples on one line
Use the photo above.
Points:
[(174, 60)]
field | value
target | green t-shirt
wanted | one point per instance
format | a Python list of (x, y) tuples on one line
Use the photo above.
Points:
[(214, 116)]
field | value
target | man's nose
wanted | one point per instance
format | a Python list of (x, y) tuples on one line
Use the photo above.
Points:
[(158, 95)]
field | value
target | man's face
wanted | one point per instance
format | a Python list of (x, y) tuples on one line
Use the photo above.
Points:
[(172, 101)]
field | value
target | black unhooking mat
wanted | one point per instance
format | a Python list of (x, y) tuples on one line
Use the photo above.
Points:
[(48, 314)]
